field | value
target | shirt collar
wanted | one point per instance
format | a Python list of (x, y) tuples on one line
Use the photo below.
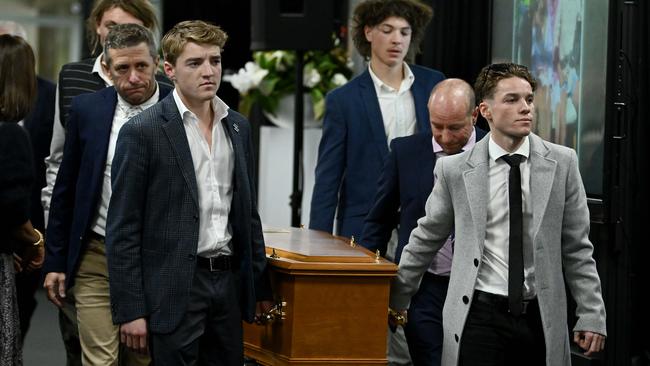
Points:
[(471, 141), (496, 151), (219, 107), (408, 80), (121, 102), (97, 69)]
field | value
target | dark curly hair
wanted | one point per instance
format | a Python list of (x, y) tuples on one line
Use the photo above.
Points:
[(372, 12), (490, 75)]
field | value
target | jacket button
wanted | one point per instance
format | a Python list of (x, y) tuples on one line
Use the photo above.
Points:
[(475, 262), (190, 257), (456, 337), (196, 218), (465, 300)]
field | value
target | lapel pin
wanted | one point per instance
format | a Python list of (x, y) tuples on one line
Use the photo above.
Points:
[(235, 127)]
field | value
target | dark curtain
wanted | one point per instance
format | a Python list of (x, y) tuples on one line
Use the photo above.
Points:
[(458, 39)]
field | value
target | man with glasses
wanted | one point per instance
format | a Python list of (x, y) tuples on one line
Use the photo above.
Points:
[(519, 211)]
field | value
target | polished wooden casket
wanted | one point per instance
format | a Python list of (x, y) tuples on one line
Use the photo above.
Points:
[(335, 297)]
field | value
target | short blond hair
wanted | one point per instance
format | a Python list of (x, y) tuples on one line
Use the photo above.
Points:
[(196, 31)]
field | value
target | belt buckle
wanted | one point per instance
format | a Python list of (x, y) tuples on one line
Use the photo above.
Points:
[(212, 269), (524, 307)]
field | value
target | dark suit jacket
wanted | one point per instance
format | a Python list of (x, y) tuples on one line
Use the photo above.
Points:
[(153, 220), (78, 187), (39, 124), (404, 186), (353, 149)]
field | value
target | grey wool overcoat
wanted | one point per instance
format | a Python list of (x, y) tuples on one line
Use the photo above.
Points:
[(560, 244)]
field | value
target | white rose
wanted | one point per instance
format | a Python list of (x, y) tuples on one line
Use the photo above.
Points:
[(339, 79), (310, 77)]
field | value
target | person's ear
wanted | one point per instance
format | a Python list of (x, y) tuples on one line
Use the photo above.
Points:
[(367, 31), (169, 71), (484, 108)]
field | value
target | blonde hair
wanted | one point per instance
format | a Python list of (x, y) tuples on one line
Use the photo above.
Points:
[(196, 31)]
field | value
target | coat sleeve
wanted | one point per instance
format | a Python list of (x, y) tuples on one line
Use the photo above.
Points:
[(261, 277), (577, 255), (330, 167), (383, 217), (15, 180), (425, 241), (124, 224), (62, 202)]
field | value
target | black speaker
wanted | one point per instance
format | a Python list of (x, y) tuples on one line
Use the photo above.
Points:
[(292, 24)]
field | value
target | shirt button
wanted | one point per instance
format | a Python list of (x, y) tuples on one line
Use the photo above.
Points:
[(475, 262), (456, 337), (465, 299)]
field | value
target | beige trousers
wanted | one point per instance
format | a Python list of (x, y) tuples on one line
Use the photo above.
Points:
[(99, 337)]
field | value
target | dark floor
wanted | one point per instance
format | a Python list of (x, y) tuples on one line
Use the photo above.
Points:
[(43, 345)]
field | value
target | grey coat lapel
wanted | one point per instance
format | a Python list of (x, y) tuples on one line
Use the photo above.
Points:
[(476, 183), (542, 173), (175, 131)]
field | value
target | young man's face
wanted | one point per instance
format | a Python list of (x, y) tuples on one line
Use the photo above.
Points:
[(389, 41), (510, 110), (197, 72), (132, 71), (111, 17)]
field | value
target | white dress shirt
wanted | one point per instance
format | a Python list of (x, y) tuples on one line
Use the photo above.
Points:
[(493, 273), (123, 112), (53, 161), (397, 105), (214, 166)]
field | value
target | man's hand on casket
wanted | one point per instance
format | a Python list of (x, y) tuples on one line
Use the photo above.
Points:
[(396, 318)]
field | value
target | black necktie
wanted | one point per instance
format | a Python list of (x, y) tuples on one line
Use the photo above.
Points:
[(516, 252)]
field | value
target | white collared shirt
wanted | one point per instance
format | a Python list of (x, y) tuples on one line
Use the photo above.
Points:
[(397, 105), (493, 273), (123, 112), (214, 169)]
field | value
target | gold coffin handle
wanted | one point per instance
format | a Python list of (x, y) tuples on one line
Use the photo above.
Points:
[(274, 314)]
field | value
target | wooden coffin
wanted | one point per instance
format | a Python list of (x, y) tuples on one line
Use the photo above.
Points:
[(336, 299)]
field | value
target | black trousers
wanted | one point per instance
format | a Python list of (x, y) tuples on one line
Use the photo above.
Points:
[(210, 333), (424, 328), (494, 337)]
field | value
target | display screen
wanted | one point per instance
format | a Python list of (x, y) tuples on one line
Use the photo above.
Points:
[(564, 44)]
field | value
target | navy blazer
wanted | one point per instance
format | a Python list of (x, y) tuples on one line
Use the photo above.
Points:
[(404, 187), (153, 220), (78, 187), (353, 149), (39, 124)]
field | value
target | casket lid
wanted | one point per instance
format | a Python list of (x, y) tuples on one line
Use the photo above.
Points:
[(310, 249)]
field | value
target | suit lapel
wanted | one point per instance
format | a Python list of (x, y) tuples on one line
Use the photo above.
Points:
[(175, 132), (105, 112), (373, 112), (542, 173), (420, 99), (476, 181), (232, 129)]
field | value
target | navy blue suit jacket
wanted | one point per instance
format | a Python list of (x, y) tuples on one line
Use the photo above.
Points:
[(39, 124), (404, 187), (153, 220), (78, 187), (353, 149)]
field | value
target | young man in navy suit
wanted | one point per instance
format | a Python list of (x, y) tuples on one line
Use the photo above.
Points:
[(75, 257), (404, 186), (186, 254), (387, 100)]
